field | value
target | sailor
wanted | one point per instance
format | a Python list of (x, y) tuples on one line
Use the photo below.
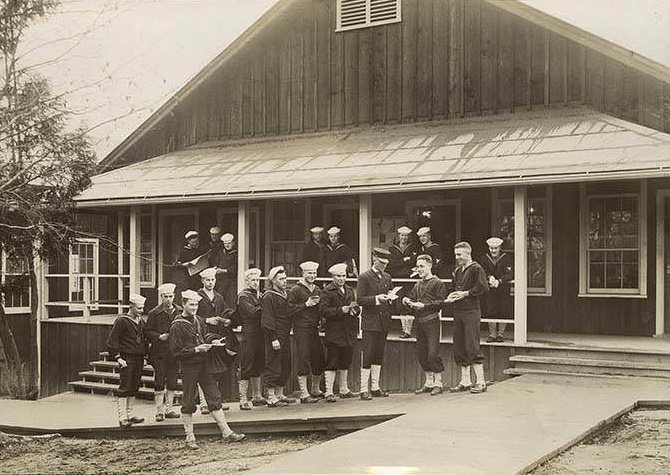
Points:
[(126, 345), (313, 250), (190, 251), (401, 262), (336, 252), (188, 346), (304, 296), (373, 291), (215, 246), (157, 331), (340, 310), (431, 248), (499, 268), (276, 324), (226, 271), (252, 352), (426, 300), (468, 285)]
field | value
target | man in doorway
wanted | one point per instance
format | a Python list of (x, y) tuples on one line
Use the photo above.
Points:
[(499, 268), (185, 259), (337, 252), (157, 330), (468, 285), (373, 290), (313, 250), (215, 245), (126, 345), (187, 345), (304, 297), (340, 310), (426, 300), (226, 271), (431, 248), (276, 324), (401, 263)]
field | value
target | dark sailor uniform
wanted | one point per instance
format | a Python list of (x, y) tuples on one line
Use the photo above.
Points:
[(252, 359), (340, 253), (498, 301), (276, 324), (431, 292), (341, 329), (164, 364), (126, 340), (400, 266), (214, 307), (314, 252), (467, 313), (434, 250), (309, 350), (226, 282), (375, 319), (188, 282)]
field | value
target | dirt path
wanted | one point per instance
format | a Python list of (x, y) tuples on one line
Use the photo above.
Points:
[(62, 456), (638, 443)]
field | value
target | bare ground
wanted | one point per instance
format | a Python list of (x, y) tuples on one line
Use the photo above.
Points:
[(168, 455), (636, 444)]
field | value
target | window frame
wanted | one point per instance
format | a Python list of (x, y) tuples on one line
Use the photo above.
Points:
[(150, 283), (585, 289), (96, 272), (3, 276), (368, 22)]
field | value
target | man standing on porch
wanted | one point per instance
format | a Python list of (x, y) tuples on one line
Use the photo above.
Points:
[(337, 252), (190, 252), (499, 268), (372, 293), (304, 297), (468, 284), (187, 344), (425, 300), (252, 351), (157, 331), (433, 249), (313, 250), (276, 324), (226, 271), (126, 345), (401, 262)]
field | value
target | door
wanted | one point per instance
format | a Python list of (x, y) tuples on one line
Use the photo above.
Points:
[(173, 225)]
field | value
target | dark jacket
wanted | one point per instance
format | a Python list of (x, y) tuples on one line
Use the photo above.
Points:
[(341, 328), (472, 279), (220, 358), (185, 334), (210, 308), (227, 260), (337, 255), (126, 338), (434, 250), (498, 299), (277, 313), (304, 318), (431, 292), (374, 317), (187, 254), (249, 309), (401, 261), (158, 322), (312, 251)]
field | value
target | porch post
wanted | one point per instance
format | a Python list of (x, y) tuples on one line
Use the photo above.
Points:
[(119, 257), (242, 242), (364, 232), (520, 264), (134, 249)]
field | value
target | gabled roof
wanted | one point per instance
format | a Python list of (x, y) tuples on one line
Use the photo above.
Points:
[(590, 40), (548, 146)]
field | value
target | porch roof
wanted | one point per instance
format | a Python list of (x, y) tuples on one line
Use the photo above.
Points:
[(553, 145)]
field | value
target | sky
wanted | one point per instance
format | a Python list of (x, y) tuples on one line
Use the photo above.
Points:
[(117, 61)]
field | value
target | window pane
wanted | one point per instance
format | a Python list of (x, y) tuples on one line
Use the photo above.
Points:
[(613, 270), (537, 269), (288, 221), (146, 248), (630, 270), (506, 224), (596, 223), (17, 291), (597, 270)]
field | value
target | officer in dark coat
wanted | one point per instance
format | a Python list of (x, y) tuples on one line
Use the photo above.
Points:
[(313, 250), (401, 263), (373, 296), (157, 330), (252, 352), (304, 296), (337, 252), (226, 271), (499, 268), (126, 345), (340, 310)]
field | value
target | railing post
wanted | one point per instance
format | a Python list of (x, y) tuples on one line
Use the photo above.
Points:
[(120, 263), (242, 242), (87, 299), (134, 249), (520, 264), (364, 232)]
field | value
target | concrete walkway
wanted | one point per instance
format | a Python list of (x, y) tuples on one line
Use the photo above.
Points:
[(510, 429)]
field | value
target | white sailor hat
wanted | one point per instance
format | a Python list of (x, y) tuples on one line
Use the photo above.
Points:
[(422, 231), (215, 230), (190, 234), (137, 300), (404, 230), (209, 272), (316, 229), (309, 265), (191, 295), (253, 272), (166, 289), (227, 237), (334, 230), (494, 242), (274, 271), (338, 269)]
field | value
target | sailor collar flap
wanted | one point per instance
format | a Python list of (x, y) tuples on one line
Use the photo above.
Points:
[(272, 291)]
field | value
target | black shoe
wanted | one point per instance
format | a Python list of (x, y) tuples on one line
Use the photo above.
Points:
[(379, 393), (225, 408), (125, 424), (289, 400), (136, 420), (308, 400), (405, 336), (423, 390), (277, 403), (318, 395), (478, 389), (172, 415), (160, 417), (259, 401), (349, 395), (500, 339), (460, 389), (365, 396), (491, 339), (331, 398)]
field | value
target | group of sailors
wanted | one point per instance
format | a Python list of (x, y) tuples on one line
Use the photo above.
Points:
[(197, 336)]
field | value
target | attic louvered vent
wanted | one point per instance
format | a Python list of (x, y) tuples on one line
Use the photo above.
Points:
[(352, 14)]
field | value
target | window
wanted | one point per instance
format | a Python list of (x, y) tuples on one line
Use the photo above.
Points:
[(147, 250), (15, 284), (287, 225), (612, 241), (353, 14), (84, 272), (539, 238)]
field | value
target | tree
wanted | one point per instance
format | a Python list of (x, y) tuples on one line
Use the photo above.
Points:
[(44, 165)]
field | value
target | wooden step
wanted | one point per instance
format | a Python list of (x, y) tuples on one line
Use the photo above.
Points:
[(92, 376), (105, 388), (591, 366), (113, 366), (642, 356), (523, 371)]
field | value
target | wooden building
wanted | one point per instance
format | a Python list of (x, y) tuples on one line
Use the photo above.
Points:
[(474, 117)]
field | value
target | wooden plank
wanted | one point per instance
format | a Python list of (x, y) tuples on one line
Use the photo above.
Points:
[(259, 93), (630, 100), (440, 73), (323, 52), (409, 59), (538, 65), (336, 78), (557, 69), (296, 54), (505, 72), (666, 107), (424, 77), (394, 83), (364, 75), (594, 80), (285, 81), (247, 105), (521, 63), (310, 68), (652, 104), (271, 88), (379, 76), (613, 88), (456, 102), (236, 101), (134, 250), (472, 57), (489, 60), (350, 78)]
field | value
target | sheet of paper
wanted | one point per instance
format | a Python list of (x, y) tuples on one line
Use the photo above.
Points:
[(198, 265), (393, 294)]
